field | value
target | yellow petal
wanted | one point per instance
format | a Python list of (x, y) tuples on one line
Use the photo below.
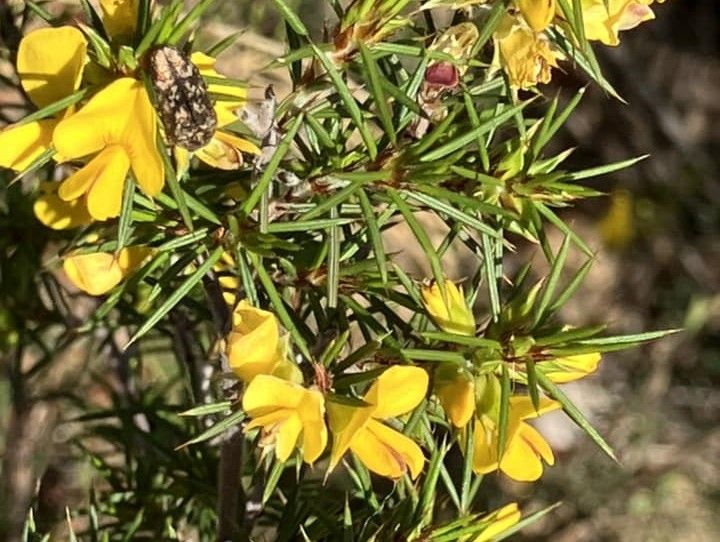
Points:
[(221, 154), (140, 143), (522, 408), (120, 114), (102, 180), (346, 422), (537, 442), (267, 393), (537, 13), (23, 144), (570, 368), (130, 258), (520, 461), (484, 446), (397, 391), (387, 452), (451, 314), (225, 108), (286, 437), (58, 214), (498, 521), (50, 63), (119, 17), (526, 57), (314, 435), (95, 274), (457, 397), (604, 19), (253, 342)]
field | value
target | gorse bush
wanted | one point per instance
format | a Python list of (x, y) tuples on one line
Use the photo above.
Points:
[(271, 371)]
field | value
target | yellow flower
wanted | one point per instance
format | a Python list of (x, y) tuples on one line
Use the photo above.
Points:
[(383, 450), (224, 149), (570, 368), (58, 214), (499, 521), (525, 447), (100, 272), (50, 64), (118, 123), (254, 346), (451, 314), (537, 13), (287, 411), (526, 56), (455, 390), (604, 19), (119, 17)]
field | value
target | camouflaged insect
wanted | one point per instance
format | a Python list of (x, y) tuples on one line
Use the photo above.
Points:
[(182, 98)]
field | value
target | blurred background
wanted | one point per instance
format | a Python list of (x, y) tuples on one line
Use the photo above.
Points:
[(658, 266)]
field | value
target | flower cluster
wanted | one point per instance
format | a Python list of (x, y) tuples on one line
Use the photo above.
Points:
[(114, 136), (524, 38), (278, 402), (472, 392)]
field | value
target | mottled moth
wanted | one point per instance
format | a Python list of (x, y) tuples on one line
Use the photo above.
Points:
[(182, 99)]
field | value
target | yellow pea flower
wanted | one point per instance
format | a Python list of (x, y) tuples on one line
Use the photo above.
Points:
[(254, 346), (383, 450), (98, 273), (570, 368), (58, 214), (118, 123), (119, 17), (50, 64), (452, 317), (537, 13), (287, 412), (499, 521), (224, 149), (604, 19), (455, 389), (525, 448), (526, 56)]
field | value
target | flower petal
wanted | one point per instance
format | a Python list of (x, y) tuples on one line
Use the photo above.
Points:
[(95, 274), (102, 121), (120, 114), (346, 421), (21, 145), (225, 151), (102, 179), (570, 368), (457, 397), (499, 521), (485, 446), (50, 63), (519, 460), (139, 140), (225, 108), (58, 214), (451, 313), (387, 452), (537, 442), (267, 393), (130, 258), (253, 342), (397, 391), (119, 17), (312, 414), (287, 436), (522, 408)]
